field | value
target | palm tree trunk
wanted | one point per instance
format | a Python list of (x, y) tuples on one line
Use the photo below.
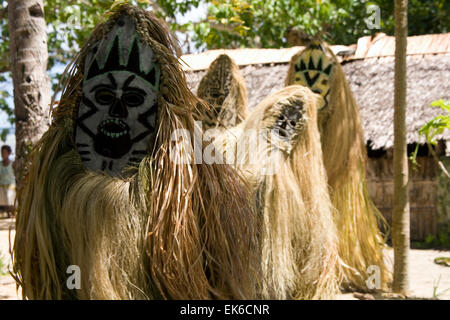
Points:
[(400, 218), (31, 84)]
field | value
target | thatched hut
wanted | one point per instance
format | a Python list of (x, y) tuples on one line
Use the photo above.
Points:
[(369, 66)]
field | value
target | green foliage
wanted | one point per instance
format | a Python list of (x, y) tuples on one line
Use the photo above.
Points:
[(434, 127), (260, 23), (4, 105), (430, 131), (263, 23), (437, 125), (234, 23), (428, 16), (69, 24), (441, 241), (442, 238)]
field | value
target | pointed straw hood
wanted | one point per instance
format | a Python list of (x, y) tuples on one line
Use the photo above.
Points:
[(360, 240), (299, 246), (169, 229), (223, 88)]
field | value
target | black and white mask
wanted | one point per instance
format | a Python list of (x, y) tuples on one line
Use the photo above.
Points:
[(117, 115)]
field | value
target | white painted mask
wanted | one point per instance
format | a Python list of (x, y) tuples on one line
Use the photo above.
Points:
[(116, 118)]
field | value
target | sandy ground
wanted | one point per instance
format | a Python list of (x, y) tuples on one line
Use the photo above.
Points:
[(427, 279), (7, 283)]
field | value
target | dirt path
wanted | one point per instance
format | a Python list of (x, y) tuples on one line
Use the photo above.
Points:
[(7, 283), (427, 279), (427, 276)]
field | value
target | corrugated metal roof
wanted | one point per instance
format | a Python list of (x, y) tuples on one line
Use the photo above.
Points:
[(244, 57), (380, 46), (427, 44)]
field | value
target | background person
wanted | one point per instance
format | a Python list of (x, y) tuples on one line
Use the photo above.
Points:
[(7, 181)]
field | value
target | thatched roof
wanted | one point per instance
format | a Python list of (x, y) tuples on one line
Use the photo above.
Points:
[(369, 67)]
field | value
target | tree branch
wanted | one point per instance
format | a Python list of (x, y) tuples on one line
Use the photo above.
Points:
[(439, 162)]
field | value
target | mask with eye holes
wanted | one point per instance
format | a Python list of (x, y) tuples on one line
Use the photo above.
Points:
[(286, 123), (116, 118)]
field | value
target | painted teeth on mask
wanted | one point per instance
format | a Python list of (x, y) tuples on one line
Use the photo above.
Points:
[(112, 134)]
